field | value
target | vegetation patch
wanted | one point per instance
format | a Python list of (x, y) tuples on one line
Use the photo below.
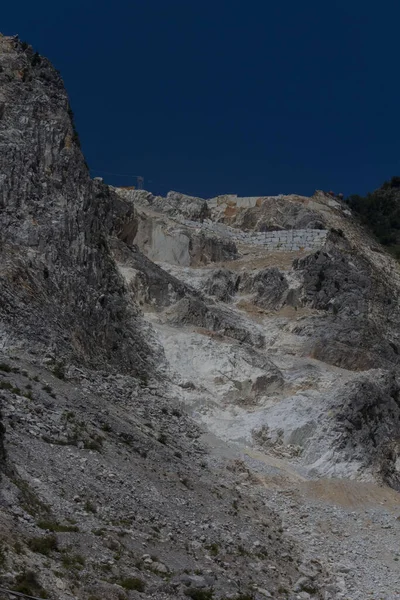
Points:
[(27, 583), (94, 443), (133, 583), (43, 545), (90, 507), (6, 385), (57, 527), (380, 212), (3, 558), (213, 549), (199, 594), (59, 370), (73, 562), (30, 502)]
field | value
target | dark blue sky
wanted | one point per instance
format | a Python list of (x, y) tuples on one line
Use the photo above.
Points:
[(208, 97)]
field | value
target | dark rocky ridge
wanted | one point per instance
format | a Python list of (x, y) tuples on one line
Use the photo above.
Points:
[(367, 421), (59, 287), (2, 448), (359, 327)]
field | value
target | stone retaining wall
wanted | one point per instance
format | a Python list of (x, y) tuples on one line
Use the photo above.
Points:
[(288, 240), (292, 240)]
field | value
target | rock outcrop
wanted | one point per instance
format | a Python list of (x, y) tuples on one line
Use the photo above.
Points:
[(222, 284), (106, 473), (269, 287), (60, 291), (177, 375), (173, 205), (359, 307), (2, 448), (361, 433)]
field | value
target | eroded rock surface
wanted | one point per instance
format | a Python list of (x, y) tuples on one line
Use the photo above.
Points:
[(108, 490), (193, 392), (59, 287)]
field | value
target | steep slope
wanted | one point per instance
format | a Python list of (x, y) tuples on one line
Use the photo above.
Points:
[(198, 398), (288, 355), (59, 289), (108, 487), (314, 301)]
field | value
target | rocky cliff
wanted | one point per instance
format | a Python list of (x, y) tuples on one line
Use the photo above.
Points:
[(60, 292), (199, 398)]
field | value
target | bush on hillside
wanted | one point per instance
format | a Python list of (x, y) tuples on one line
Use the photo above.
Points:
[(380, 211)]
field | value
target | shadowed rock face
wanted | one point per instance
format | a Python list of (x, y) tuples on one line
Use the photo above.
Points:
[(150, 284), (59, 287), (223, 284), (368, 420), (2, 448), (334, 283), (359, 329), (361, 429), (269, 287)]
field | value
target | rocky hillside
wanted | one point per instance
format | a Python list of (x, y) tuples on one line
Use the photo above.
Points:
[(309, 297), (59, 289), (199, 398)]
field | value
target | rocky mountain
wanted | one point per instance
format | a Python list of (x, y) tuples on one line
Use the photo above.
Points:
[(59, 288), (199, 398)]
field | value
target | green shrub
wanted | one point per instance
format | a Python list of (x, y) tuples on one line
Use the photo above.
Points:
[(35, 60), (29, 500), (43, 545), (18, 549), (54, 526), (27, 583), (90, 507), (3, 558), (380, 212), (199, 594), (95, 443), (6, 385), (133, 583), (73, 561), (59, 370), (214, 549)]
